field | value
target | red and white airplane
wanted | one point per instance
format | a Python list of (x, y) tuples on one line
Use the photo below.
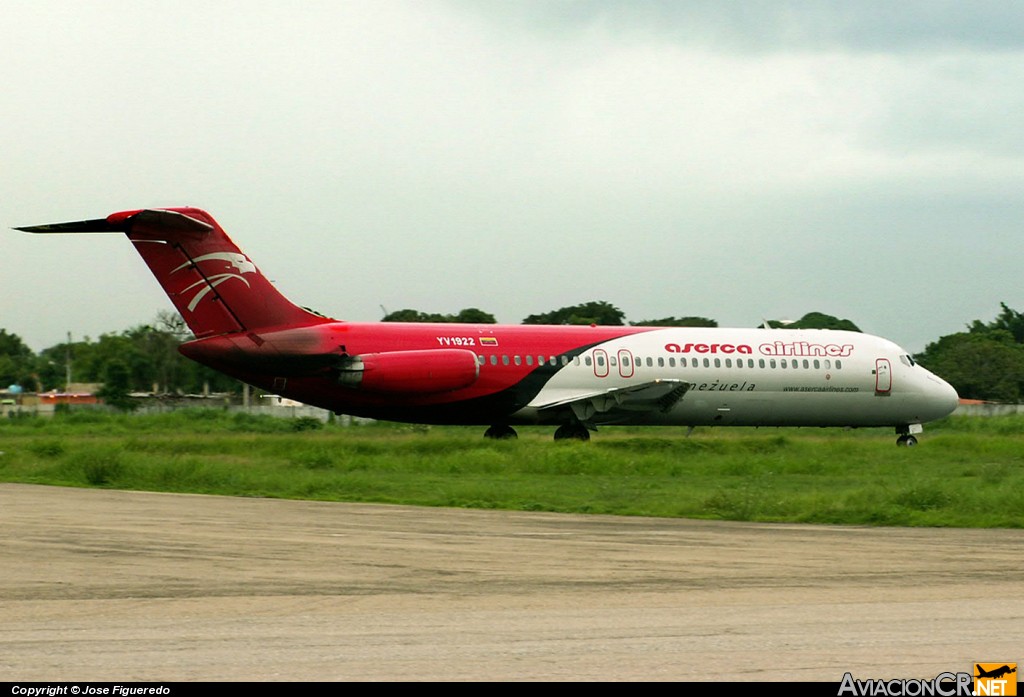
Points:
[(575, 378)]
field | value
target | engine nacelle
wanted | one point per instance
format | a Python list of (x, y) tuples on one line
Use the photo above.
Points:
[(410, 372)]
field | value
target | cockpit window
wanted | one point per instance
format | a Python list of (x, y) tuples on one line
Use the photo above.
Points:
[(907, 360)]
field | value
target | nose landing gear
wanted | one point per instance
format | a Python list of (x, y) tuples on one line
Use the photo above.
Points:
[(905, 435)]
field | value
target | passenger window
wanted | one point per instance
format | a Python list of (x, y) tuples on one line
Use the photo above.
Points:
[(839, 364), (519, 361), (661, 362), (718, 362), (529, 360), (772, 363), (650, 363), (806, 364), (817, 364), (671, 361), (504, 359), (707, 362), (480, 360), (828, 364), (588, 361), (760, 362)]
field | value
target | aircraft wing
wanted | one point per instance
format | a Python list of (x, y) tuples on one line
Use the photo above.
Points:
[(656, 395)]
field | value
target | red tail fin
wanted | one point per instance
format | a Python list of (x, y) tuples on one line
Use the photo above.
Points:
[(214, 286)]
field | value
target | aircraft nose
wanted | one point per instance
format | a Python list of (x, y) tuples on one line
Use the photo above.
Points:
[(942, 396)]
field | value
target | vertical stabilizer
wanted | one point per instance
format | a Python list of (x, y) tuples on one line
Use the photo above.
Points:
[(213, 284)]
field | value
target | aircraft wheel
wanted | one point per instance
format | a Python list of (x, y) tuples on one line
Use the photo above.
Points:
[(572, 432), (906, 441), (501, 432)]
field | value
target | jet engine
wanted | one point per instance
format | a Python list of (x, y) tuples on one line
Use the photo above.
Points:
[(410, 372)]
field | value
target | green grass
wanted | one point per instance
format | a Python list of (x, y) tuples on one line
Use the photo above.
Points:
[(967, 472)]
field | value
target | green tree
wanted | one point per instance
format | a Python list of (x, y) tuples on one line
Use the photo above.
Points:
[(165, 370), (986, 365), (117, 385), (177, 374), (77, 358), (985, 362), (676, 322), (596, 312), (17, 362), (470, 315), (1008, 320), (149, 353), (409, 315), (815, 320), (125, 349)]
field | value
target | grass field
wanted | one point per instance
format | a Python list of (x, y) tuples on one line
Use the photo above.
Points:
[(967, 471)]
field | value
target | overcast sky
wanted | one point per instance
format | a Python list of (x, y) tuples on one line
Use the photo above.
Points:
[(739, 161)]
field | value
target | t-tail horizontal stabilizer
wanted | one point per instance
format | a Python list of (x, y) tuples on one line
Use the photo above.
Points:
[(215, 287), (125, 221)]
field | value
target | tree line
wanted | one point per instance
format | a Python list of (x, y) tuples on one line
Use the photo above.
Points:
[(986, 361), (141, 359)]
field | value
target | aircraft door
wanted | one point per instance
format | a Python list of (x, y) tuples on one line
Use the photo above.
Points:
[(625, 363), (883, 376), (600, 363)]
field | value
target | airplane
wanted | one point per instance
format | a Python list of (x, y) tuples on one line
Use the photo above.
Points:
[(573, 377), (994, 673)]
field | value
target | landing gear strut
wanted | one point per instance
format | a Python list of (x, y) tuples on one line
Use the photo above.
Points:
[(906, 437), (573, 431), (501, 432)]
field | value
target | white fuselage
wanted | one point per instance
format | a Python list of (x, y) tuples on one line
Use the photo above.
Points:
[(758, 377)]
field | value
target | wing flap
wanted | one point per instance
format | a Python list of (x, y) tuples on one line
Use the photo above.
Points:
[(656, 395)]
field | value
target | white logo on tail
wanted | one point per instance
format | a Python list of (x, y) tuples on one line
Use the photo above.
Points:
[(207, 284)]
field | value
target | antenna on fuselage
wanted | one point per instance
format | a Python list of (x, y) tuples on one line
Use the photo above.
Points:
[(766, 324)]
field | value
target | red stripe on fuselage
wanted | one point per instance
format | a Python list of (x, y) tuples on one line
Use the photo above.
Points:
[(505, 343)]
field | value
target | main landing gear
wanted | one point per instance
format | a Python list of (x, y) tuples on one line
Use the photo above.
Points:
[(906, 440), (501, 432), (572, 431)]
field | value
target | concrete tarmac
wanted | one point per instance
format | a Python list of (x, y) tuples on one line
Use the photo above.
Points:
[(124, 586)]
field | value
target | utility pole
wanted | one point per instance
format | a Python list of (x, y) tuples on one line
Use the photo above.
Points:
[(67, 365)]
